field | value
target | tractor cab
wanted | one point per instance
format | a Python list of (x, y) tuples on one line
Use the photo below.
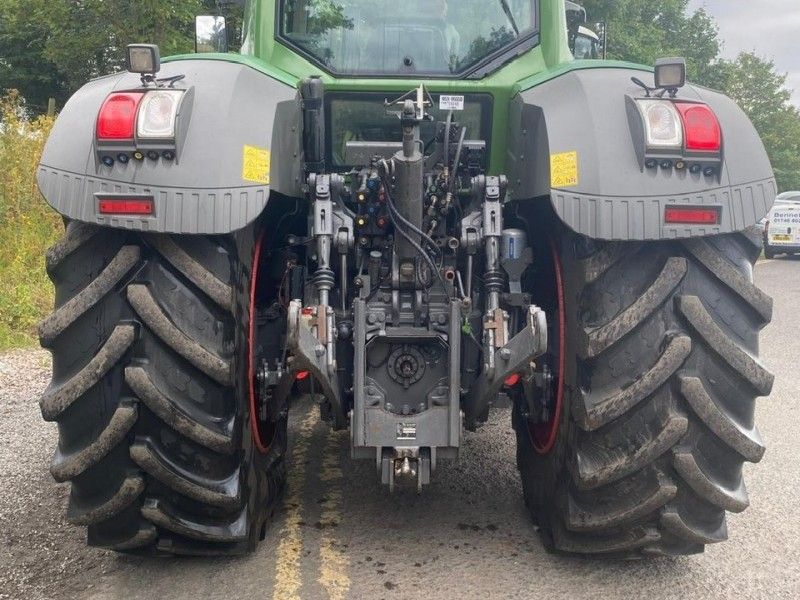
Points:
[(587, 45), (585, 42)]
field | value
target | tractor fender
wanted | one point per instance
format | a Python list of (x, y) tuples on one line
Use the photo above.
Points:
[(573, 139), (238, 140)]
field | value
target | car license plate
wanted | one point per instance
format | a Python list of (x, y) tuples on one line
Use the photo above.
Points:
[(781, 238)]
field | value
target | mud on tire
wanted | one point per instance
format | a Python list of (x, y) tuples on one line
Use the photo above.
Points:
[(661, 381), (150, 392)]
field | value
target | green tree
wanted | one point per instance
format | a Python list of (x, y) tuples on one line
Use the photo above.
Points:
[(49, 48), (643, 30), (23, 38), (761, 92), (88, 38)]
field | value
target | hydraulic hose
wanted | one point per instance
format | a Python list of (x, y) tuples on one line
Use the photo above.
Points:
[(459, 150)]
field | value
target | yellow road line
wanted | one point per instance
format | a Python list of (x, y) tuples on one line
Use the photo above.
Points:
[(288, 578), (333, 561)]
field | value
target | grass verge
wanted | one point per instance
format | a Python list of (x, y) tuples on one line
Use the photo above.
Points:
[(27, 225)]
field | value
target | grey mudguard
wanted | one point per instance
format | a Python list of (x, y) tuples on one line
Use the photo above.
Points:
[(204, 191), (615, 198)]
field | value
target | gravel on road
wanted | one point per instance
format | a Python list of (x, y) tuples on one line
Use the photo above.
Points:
[(40, 555)]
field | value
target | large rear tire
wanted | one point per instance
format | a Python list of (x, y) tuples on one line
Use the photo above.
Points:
[(660, 382), (150, 392)]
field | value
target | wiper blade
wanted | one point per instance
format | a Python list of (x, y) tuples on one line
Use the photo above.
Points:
[(510, 16)]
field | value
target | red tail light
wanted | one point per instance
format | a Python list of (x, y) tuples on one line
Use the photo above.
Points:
[(126, 206), (692, 215), (701, 127), (117, 118)]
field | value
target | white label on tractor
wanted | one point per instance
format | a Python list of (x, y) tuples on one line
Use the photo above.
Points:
[(451, 102), (406, 431)]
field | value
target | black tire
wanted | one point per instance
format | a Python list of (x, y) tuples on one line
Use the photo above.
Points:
[(150, 392), (660, 386), (769, 253)]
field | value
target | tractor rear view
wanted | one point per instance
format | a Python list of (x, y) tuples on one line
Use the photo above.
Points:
[(411, 210)]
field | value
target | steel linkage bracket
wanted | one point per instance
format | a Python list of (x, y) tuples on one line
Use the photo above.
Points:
[(312, 336), (513, 358), (307, 353)]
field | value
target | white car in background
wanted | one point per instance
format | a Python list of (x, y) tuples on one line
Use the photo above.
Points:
[(782, 226)]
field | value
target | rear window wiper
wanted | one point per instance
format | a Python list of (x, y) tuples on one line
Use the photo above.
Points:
[(510, 16)]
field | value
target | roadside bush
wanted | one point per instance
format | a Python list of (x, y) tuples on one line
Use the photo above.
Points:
[(27, 225)]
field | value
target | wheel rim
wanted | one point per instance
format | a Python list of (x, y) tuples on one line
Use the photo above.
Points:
[(544, 435), (262, 433)]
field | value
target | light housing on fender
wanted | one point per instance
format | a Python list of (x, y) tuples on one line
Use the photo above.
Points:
[(663, 127), (117, 118), (676, 130), (158, 114), (701, 127), (142, 123)]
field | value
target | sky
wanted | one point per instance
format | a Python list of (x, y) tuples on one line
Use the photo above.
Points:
[(768, 27)]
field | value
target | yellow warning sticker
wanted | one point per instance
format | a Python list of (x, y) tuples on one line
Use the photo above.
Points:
[(256, 164), (564, 169)]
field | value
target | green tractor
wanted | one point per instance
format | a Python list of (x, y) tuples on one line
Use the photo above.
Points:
[(413, 211)]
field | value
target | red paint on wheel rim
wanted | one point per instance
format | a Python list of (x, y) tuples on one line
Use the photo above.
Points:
[(544, 435), (263, 447)]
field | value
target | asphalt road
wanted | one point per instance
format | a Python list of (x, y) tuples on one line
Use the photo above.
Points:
[(340, 535)]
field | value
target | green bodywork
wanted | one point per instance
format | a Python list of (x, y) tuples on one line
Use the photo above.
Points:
[(552, 58)]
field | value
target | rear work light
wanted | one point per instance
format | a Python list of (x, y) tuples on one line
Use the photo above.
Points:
[(701, 126), (117, 118), (692, 215), (126, 206)]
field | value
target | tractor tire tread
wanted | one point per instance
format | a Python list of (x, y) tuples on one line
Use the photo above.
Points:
[(153, 434), (68, 466), (224, 493), (660, 407), (146, 306)]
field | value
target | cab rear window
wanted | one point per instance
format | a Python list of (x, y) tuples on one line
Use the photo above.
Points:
[(439, 38), (364, 118)]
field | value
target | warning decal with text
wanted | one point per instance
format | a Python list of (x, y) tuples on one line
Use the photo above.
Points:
[(256, 165), (564, 169)]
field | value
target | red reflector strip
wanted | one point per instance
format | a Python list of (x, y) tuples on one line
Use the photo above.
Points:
[(703, 132), (125, 206), (692, 216), (117, 118), (513, 380), (302, 375)]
